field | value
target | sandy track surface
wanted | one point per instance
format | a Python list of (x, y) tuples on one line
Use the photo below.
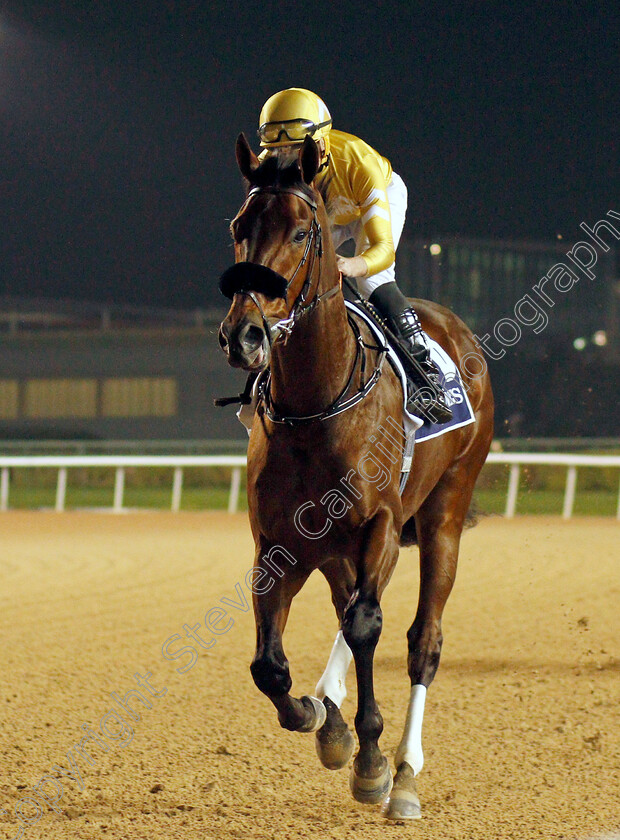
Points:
[(522, 729)]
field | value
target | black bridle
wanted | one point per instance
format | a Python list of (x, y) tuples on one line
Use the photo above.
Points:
[(250, 279)]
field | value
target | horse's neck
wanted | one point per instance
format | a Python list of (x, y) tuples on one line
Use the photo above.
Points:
[(312, 368)]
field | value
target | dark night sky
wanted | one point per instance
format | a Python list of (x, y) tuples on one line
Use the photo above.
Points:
[(118, 122)]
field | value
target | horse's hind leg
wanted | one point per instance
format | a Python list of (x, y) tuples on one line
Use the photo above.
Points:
[(439, 524), (269, 667)]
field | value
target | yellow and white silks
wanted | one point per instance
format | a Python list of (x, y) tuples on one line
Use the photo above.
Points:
[(366, 202)]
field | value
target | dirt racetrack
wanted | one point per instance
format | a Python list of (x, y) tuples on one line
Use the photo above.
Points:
[(522, 728)]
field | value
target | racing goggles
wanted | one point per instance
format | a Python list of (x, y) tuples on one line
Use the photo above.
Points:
[(293, 130)]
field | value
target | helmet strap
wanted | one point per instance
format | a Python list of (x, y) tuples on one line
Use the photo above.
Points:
[(324, 165)]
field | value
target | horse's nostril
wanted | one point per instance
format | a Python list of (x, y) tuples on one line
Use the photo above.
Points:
[(222, 339), (252, 337)]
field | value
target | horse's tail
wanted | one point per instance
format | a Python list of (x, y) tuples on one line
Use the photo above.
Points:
[(409, 534)]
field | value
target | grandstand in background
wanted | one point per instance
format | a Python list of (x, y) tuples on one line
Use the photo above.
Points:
[(72, 370), (482, 280)]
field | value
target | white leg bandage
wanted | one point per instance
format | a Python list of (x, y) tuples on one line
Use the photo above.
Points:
[(332, 683), (410, 747)]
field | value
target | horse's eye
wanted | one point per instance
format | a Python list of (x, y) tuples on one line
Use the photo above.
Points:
[(300, 236)]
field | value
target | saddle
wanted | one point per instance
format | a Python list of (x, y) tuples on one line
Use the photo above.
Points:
[(416, 379)]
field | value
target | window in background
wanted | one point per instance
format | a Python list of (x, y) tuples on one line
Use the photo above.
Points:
[(9, 399), (60, 398), (139, 397)]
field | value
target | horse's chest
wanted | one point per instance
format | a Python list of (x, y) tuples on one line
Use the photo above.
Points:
[(304, 497), (296, 480)]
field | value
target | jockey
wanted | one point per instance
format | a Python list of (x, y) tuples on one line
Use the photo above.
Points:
[(366, 202)]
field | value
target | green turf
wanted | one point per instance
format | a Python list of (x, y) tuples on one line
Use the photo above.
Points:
[(587, 502), (193, 498), (31, 496)]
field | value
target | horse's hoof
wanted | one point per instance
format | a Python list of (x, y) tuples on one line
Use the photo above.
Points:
[(334, 741), (319, 714), (335, 752), (403, 802), (371, 791), (402, 805)]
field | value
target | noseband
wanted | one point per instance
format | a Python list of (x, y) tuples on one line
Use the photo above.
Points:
[(248, 278)]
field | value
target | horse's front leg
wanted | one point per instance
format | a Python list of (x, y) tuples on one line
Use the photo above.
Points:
[(334, 741), (272, 596), (371, 779)]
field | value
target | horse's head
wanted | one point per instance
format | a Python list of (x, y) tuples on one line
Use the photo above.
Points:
[(277, 249)]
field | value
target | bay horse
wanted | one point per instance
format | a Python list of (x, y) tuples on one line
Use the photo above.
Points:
[(314, 498)]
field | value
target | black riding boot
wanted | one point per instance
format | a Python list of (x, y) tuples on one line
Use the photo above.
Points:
[(429, 399)]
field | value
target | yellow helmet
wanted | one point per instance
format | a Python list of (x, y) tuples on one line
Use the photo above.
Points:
[(290, 115)]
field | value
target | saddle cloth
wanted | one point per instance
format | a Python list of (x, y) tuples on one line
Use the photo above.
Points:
[(415, 428)]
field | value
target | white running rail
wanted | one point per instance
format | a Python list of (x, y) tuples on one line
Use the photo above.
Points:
[(120, 463), (517, 459)]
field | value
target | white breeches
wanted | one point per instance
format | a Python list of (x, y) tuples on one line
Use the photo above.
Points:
[(397, 199)]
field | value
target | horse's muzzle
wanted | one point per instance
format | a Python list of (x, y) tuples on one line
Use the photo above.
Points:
[(245, 345)]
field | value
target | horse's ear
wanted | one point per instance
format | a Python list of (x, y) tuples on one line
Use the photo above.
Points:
[(309, 159), (246, 159)]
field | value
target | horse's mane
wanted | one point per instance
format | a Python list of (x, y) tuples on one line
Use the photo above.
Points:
[(275, 171)]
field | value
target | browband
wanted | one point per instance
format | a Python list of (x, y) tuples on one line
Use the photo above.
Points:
[(289, 190), (248, 276)]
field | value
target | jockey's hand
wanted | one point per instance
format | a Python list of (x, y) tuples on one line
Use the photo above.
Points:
[(353, 266)]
